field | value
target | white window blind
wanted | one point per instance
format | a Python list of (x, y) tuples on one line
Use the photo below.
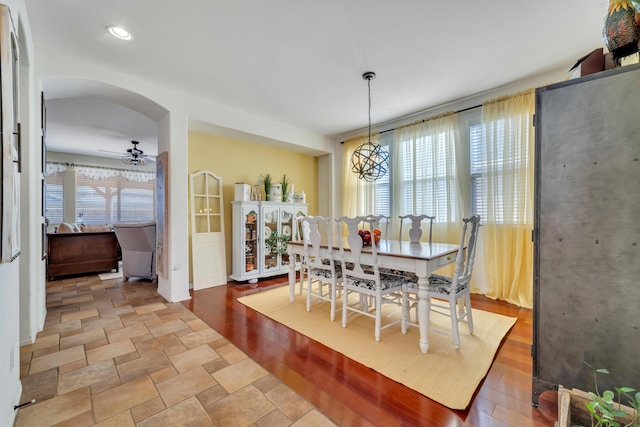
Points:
[(507, 163), (381, 189), (427, 181), (478, 160), (374, 198), (54, 197), (108, 197), (136, 203)]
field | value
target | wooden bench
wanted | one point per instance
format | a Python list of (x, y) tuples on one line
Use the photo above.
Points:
[(81, 253)]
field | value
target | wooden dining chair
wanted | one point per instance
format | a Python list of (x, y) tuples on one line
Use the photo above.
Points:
[(379, 221), (448, 290), (324, 274), (364, 278), (302, 232), (416, 232)]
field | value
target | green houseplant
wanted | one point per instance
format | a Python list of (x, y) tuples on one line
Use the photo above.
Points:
[(277, 243), (266, 181), (606, 412), (285, 186)]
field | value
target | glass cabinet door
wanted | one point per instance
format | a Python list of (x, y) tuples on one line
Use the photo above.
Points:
[(251, 240), (287, 225), (271, 232)]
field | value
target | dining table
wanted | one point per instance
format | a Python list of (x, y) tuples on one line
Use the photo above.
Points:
[(420, 258)]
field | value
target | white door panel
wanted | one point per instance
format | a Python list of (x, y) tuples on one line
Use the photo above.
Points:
[(207, 231)]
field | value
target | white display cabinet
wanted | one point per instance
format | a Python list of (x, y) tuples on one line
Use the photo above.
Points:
[(260, 234)]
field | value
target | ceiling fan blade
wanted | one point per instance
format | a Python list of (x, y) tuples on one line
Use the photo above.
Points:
[(113, 152), (132, 156)]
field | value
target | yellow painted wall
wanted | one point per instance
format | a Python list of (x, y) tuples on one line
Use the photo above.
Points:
[(241, 161)]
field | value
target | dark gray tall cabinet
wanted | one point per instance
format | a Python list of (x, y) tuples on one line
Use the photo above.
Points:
[(587, 232)]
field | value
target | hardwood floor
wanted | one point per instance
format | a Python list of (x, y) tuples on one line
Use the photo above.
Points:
[(354, 395)]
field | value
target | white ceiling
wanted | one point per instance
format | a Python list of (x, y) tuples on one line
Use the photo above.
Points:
[(96, 127), (301, 61)]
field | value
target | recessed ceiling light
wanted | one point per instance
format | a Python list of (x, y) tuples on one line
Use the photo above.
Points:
[(119, 32)]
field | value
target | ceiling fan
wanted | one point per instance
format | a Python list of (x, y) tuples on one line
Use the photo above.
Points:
[(134, 156)]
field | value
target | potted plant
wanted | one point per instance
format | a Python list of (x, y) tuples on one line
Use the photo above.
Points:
[(285, 185), (598, 410), (266, 180)]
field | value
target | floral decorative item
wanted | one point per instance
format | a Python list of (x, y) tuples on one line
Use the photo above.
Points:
[(621, 31)]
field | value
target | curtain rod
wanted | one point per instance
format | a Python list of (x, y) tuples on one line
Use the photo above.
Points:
[(100, 167), (424, 120)]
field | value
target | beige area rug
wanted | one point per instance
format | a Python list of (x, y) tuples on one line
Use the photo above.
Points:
[(109, 276), (444, 374)]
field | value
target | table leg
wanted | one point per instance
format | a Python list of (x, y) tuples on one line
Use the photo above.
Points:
[(424, 305), (292, 278)]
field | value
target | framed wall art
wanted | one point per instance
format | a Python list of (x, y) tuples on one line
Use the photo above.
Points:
[(162, 170), (10, 141)]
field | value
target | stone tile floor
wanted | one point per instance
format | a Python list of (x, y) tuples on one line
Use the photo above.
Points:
[(115, 353)]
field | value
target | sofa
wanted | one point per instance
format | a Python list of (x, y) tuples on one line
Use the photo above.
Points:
[(85, 250)]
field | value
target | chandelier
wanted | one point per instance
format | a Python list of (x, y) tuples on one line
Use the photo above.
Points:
[(134, 156), (134, 161), (370, 161)]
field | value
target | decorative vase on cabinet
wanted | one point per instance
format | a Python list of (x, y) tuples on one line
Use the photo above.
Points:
[(261, 231)]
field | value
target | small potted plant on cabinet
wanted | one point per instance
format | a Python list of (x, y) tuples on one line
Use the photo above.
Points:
[(266, 181), (285, 185)]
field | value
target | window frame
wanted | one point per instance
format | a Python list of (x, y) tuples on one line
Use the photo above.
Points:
[(111, 187)]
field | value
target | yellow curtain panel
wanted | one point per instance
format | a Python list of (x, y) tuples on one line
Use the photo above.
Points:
[(506, 235)]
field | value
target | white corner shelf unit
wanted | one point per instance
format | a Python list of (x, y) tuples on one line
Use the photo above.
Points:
[(260, 232)]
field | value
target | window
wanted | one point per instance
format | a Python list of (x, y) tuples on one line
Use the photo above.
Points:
[(107, 196), (478, 170), (377, 197), (427, 178), (440, 167), (54, 195), (427, 174), (507, 162), (136, 204), (422, 176)]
